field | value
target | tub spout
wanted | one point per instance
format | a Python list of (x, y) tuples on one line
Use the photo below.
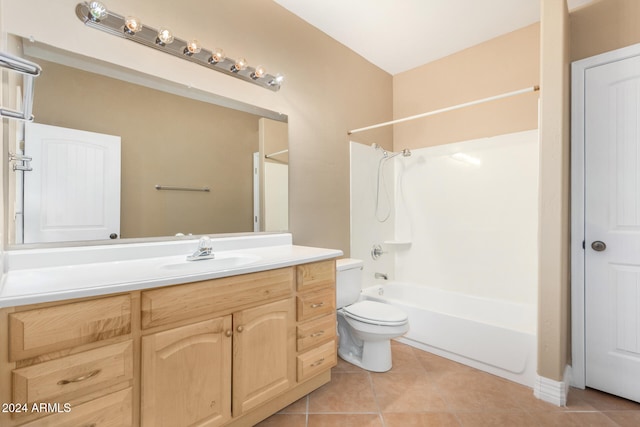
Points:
[(381, 276)]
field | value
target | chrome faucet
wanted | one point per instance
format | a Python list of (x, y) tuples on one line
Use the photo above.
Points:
[(204, 251), (381, 276)]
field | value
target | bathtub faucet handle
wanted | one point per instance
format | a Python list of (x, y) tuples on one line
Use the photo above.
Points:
[(376, 251)]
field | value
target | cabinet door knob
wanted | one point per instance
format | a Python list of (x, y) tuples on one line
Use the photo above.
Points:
[(228, 332), (240, 328)]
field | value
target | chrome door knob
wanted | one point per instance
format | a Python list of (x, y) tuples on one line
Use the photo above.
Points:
[(598, 246)]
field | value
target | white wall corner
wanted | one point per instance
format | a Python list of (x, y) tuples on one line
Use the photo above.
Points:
[(551, 391)]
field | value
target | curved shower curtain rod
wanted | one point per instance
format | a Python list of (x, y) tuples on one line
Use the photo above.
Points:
[(444, 110)]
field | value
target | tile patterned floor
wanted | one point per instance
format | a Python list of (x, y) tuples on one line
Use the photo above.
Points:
[(426, 390)]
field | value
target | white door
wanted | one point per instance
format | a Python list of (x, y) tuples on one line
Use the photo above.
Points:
[(612, 227), (257, 220), (73, 191), (276, 196)]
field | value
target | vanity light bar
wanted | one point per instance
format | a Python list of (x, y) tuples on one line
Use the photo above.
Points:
[(133, 29)]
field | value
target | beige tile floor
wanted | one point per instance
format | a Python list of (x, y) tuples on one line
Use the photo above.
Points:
[(426, 390)]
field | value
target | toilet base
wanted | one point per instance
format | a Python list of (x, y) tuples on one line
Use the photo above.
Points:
[(376, 356)]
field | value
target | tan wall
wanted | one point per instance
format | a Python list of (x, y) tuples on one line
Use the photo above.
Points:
[(504, 64), (603, 26), (328, 89), (553, 249), (167, 140)]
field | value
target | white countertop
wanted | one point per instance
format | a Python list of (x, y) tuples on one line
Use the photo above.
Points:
[(65, 273)]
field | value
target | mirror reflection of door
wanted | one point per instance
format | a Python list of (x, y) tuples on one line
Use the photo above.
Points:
[(274, 175), (73, 191)]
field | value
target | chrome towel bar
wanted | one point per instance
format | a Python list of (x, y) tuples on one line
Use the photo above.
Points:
[(29, 70), (172, 188)]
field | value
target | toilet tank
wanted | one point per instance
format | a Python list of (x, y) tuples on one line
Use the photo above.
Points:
[(348, 281)]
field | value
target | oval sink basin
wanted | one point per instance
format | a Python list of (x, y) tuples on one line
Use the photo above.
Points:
[(220, 262)]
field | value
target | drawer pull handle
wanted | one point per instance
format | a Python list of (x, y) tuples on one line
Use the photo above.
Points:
[(317, 334), (80, 378), (317, 305), (228, 332), (317, 362)]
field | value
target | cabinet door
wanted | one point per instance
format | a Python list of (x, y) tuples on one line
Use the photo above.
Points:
[(264, 354), (186, 375)]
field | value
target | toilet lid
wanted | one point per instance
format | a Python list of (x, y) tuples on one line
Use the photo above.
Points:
[(376, 313)]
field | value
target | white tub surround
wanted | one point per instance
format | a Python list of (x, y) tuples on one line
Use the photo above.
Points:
[(43, 275), (495, 336), (462, 232)]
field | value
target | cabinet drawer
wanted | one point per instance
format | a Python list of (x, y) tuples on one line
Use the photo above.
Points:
[(315, 304), (317, 360), (316, 331), (221, 296), (49, 381), (316, 274), (49, 329), (112, 410)]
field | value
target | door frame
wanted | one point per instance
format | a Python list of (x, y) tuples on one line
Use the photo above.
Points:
[(578, 71)]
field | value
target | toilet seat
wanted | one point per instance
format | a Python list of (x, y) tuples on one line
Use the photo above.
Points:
[(376, 313)]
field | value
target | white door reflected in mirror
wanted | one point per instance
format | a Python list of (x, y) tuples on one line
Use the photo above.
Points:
[(73, 191)]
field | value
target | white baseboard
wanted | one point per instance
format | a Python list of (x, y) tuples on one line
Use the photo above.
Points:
[(551, 391)]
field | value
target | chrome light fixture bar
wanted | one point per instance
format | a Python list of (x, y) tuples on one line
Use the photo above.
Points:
[(94, 14)]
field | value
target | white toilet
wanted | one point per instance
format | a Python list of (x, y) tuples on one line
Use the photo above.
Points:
[(365, 327)]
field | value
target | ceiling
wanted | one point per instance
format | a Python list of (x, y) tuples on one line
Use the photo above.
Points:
[(398, 35)]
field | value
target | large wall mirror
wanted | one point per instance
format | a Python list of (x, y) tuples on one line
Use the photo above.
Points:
[(188, 162)]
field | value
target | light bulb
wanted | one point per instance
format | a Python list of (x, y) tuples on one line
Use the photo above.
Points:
[(259, 72), (217, 55), (240, 65), (97, 10), (165, 36), (277, 81), (192, 47), (132, 25)]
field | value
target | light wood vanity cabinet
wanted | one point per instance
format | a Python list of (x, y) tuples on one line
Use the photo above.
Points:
[(68, 364), (186, 375), (49, 329), (188, 372), (263, 354), (316, 315), (222, 352)]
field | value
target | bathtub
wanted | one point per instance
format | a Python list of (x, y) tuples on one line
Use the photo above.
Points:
[(495, 336)]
